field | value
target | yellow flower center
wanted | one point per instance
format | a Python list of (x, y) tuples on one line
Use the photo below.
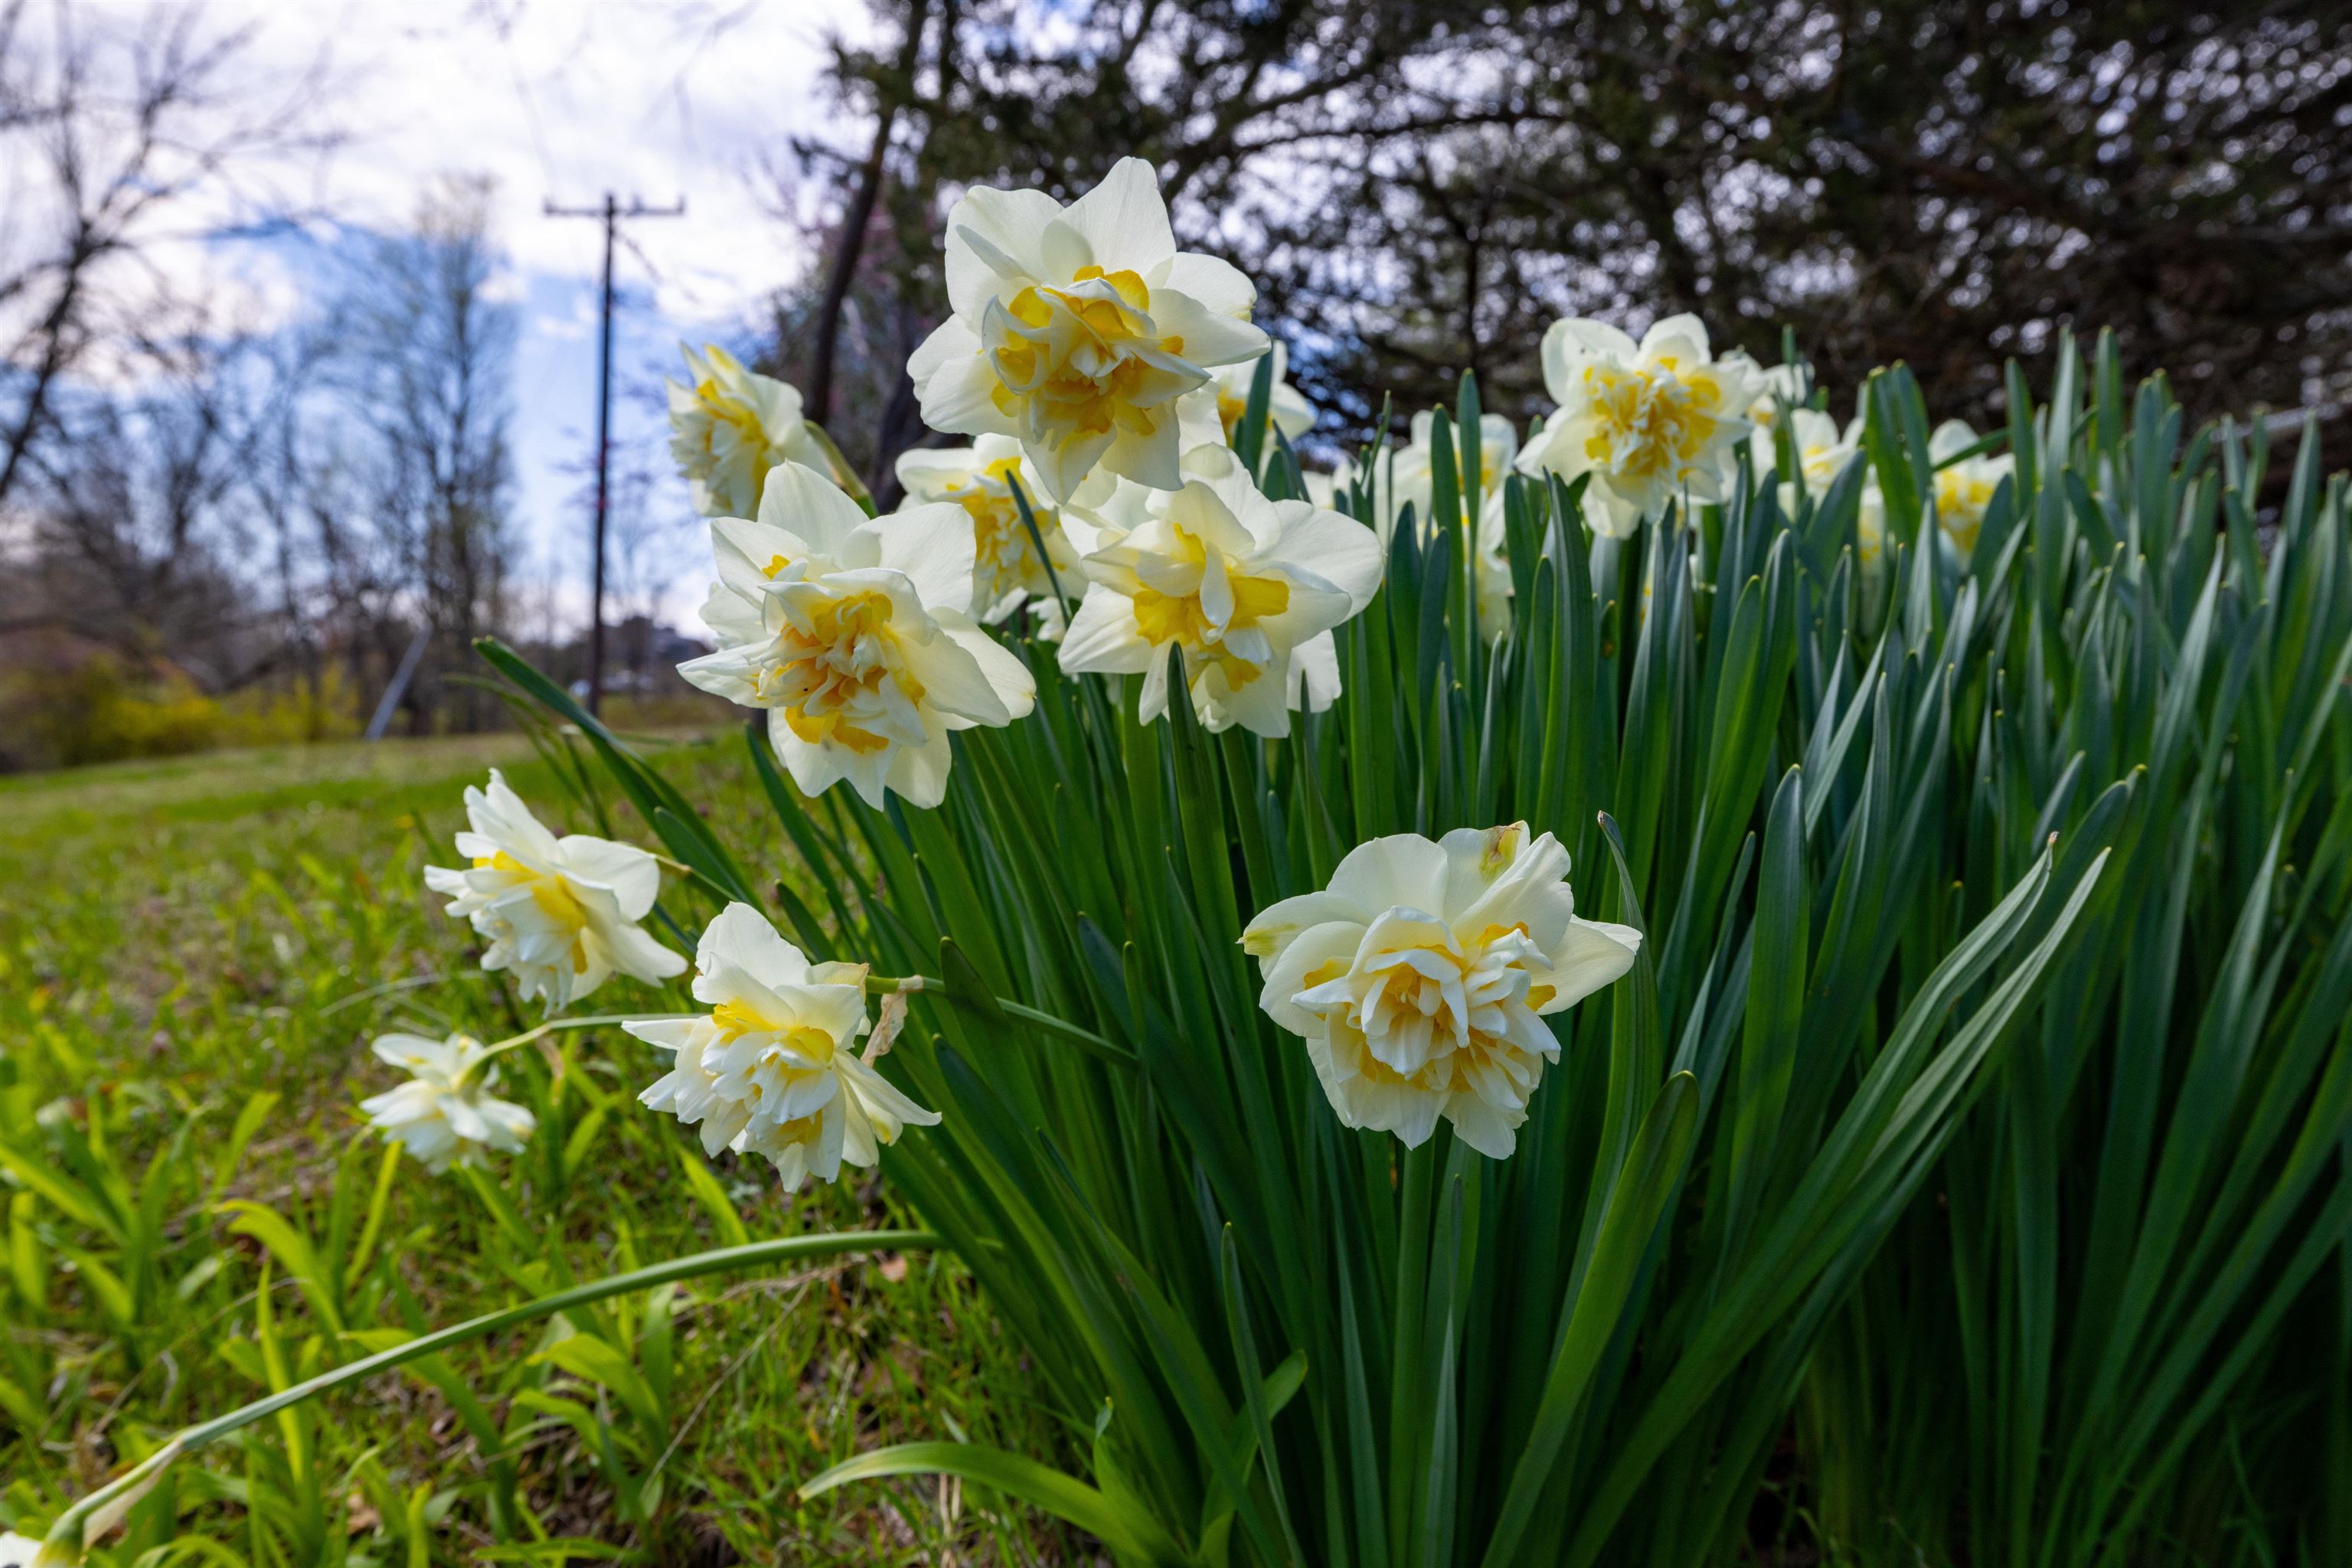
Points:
[(1004, 556), (1651, 423), (1164, 618), (724, 409), (1443, 994), (554, 898), (736, 1019), (1076, 361), (1230, 410), (842, 668), (1821, 465), (1963, 494)]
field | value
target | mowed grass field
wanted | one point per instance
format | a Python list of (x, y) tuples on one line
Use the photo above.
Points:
[(194, 957)]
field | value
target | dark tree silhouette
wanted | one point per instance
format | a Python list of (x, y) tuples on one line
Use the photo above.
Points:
[(1421, 188)]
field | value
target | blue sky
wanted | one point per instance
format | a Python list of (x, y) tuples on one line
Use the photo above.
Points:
[(563, 101)]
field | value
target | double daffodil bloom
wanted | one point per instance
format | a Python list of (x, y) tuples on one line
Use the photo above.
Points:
[(1007, 572), (855, 634), (728, 425), (445, 1113), (1650, 422), (1247, 587), (1080, 329), (772, 1070), (1419, 977), (562, 913), (1964, 491)]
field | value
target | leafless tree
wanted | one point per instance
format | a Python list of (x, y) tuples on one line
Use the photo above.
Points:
[(138, 507), (428, 370), (122, 134)]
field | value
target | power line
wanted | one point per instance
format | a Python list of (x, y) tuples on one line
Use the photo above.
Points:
[(614, 213)]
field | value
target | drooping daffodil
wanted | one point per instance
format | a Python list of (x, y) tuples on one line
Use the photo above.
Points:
[(1286, 408), (1007, 572), (1419, 977), (1651, 422), (445, 1113), (1248, 588), (728, 425), (562, 913), (855, 634), (1080, 329), (1964, 491), (771, 1069)]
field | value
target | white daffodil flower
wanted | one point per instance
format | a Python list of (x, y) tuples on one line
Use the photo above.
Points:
[(1650, 422), (1870, 526), (445, 1113), (1247, 587), (1080, 329), (728, 425), (1964, 491), (562, 913), (1412, 481), (1288, 409), (1415, 477), (1823, 453), (1777, 386), (1418, 978), (772, 1070), (1006, 572), (853, 633)]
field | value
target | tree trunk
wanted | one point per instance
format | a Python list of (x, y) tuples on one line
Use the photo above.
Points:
[(858, 214)]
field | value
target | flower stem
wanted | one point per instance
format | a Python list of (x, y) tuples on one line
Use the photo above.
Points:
[(491, 1052), (1085, 1039), (94, 1515)]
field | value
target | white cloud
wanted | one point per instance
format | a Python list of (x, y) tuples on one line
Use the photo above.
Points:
[(555, 100), (573, 328), (565, 101)]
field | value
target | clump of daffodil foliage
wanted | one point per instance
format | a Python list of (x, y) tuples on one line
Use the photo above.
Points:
[(1461, 1004)]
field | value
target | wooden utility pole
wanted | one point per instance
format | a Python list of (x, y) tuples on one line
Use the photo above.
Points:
[(613, 213)]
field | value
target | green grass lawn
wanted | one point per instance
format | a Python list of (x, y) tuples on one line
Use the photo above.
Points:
[(194, 956)]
